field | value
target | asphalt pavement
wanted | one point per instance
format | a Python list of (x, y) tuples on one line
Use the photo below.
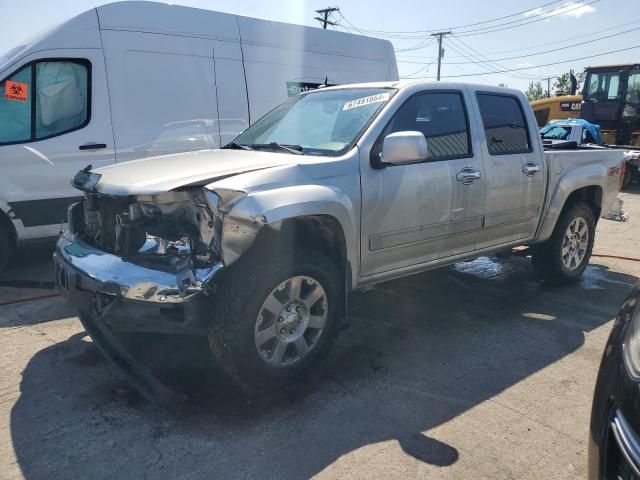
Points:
[(472, 371)]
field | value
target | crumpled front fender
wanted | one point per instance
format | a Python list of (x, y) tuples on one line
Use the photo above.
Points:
[(248, 215)]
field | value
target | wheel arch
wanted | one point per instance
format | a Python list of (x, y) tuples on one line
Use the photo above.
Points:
[(316, 216), (582, 184)]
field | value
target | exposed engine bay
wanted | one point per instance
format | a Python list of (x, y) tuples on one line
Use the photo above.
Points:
[(170, 232)]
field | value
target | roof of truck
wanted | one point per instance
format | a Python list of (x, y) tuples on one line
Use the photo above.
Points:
[(443, 84)]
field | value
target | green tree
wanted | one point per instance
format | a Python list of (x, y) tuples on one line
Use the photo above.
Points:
[(535, 91), (562, 84)]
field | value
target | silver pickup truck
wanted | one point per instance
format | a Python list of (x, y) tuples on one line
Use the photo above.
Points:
[(257, 245)]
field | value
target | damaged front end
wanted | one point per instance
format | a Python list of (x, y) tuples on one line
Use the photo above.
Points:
[(155, 256), (152, 248), (146, 263)]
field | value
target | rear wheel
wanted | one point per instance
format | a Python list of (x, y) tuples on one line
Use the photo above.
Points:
[(272, 321), (564, 257)]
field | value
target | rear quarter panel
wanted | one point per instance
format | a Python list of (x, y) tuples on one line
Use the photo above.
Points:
[(569, 171)]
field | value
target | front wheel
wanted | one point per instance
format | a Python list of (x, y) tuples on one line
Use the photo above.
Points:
[(272, 321), (564, 257)]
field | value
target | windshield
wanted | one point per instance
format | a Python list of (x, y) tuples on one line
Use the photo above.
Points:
[(555, 133), (319, 123)]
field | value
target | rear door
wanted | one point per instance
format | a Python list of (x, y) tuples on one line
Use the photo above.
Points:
[(514, 186), (417, 213), (56, 122)]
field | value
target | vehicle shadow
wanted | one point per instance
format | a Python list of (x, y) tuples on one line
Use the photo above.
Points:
[(420, 351)]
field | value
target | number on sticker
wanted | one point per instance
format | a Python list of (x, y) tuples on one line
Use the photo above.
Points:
[(359, 102)]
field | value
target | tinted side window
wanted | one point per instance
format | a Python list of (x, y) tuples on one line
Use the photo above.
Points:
[(505, 127), (61, 96), (442, 119), (15, 107)]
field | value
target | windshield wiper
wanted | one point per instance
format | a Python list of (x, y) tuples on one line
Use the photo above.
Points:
[(237, 146), (295, 149)]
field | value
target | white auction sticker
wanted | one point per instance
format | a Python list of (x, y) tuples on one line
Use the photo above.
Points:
[(359, 102)]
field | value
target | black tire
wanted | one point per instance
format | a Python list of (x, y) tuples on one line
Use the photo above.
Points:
[(6, 249), (547, 257), (238, 302)]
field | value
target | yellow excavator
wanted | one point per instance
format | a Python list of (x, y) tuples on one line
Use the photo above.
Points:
[(610, 98)]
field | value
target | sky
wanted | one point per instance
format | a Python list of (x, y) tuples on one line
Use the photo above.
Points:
[(490, 44)]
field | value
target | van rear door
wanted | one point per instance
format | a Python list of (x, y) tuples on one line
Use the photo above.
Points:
[(54, 120)]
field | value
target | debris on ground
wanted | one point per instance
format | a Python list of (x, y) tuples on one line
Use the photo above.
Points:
[(616, 213)]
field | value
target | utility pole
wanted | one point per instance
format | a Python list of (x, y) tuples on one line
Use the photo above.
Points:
[(326, 12), (440, 36), (548, 87)]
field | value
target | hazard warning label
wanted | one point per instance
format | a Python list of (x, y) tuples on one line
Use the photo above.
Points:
[(16, 91)]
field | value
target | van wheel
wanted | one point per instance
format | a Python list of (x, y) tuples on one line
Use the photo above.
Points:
[(564, 257), (6, 249), (273, 320)]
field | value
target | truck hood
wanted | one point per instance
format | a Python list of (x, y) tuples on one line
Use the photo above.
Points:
[(157, 175)]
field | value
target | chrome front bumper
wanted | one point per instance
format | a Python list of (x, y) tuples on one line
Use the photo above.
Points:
[(79, 266)]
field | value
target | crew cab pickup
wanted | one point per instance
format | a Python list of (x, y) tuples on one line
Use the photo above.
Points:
[(258, 244)]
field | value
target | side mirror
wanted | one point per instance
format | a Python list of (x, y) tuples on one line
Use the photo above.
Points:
[(404, 147)]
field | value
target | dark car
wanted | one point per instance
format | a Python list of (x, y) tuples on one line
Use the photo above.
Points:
[(614, 440)]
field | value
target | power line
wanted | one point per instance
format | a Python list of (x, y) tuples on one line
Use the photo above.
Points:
[(492, 67), (539, 45), (421, 32), (545, 64), (418, 46), (496, 65), (535, 17), (426, 67), (542, 16), (544, 52)]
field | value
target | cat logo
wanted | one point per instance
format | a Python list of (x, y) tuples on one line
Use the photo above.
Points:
[(16, 91)]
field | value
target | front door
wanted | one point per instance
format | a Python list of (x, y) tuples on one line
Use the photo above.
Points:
[(56, 123), (417, 213)]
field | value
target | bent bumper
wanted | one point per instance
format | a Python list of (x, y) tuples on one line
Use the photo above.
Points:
[(102, 272), (129, 297), (114, 296)]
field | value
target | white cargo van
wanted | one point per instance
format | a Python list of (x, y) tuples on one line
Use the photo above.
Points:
[(135, 79)]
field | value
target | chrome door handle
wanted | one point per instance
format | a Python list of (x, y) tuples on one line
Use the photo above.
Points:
[(530, 169), (468, 175)]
